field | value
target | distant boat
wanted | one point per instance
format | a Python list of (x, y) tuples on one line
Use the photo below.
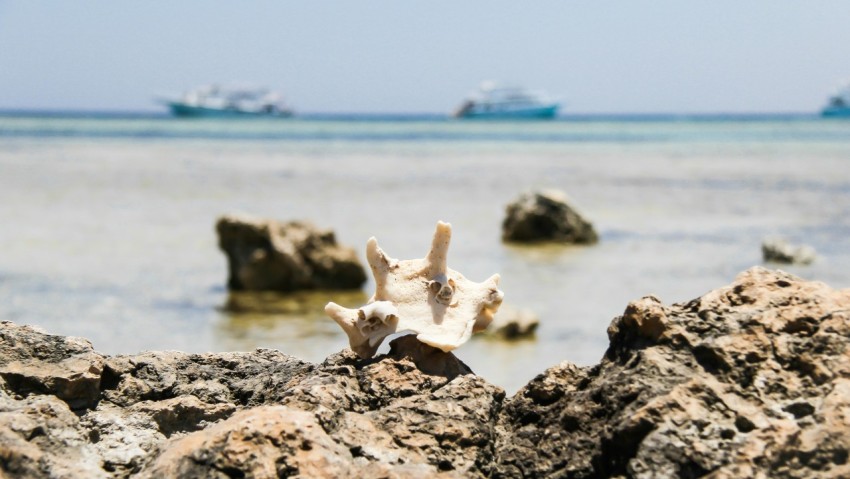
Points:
[(838, 105), (492, 101), (221, 101)]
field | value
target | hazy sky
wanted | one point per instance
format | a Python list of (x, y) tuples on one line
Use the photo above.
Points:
[(404, 56)]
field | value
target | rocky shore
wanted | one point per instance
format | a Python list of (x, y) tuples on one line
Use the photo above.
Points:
[(749, 380)]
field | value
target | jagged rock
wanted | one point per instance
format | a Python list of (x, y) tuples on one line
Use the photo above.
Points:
[(749, 380), (35, 363), (415, 406), (546, 216), (269, 255), (41, 437), (267, 441), (778, 250), (416, 412), (384, 417), (221, 378)]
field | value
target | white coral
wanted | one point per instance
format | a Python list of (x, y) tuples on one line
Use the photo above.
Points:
[(424, 296)]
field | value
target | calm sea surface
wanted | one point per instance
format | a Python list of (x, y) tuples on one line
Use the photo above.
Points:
[(106, 222)]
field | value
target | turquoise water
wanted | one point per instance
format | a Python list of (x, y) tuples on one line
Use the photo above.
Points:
[(107, 220)]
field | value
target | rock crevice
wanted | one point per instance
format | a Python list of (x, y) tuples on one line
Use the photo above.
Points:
[(749, 380)]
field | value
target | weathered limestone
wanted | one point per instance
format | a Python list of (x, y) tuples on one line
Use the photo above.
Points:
[(545, 216), (268, 255), (65, 367), (749, 380), (746, 381)]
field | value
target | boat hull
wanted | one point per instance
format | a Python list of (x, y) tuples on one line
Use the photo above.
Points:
[(536, 113), (188, 111), (836, 112)]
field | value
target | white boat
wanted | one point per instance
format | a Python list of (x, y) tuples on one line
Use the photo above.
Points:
[(492, 101), (222, 101), (839, 104)]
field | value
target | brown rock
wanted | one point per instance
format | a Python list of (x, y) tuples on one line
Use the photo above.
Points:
[(546, 216), (268, 255), (388, 411), (511, 324), (264, 442), (41, 437), (749, 380), (182, 413), (37, 363)]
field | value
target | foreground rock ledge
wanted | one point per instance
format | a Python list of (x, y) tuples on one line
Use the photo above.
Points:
[(750, 380)]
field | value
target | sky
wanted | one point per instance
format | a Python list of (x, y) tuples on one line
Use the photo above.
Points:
[(391, 56)]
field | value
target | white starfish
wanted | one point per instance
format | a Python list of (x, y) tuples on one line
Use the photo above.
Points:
[(421, 295)]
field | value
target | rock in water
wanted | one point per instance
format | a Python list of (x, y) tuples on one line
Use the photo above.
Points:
[(546, 216), (268, 255), (778, 250), (511, 323), (439, 304)]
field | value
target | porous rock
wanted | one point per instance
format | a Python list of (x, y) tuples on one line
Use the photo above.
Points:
[(266, 255), (416, 412), (545, 216), (36, 363), (749, 380)]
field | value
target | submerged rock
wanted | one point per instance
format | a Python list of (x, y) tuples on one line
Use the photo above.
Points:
[(749, 380), (546, 216), (269, 255), (511, 323), (777, 250)]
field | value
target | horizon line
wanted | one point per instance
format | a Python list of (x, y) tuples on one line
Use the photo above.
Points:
[(411, 114)]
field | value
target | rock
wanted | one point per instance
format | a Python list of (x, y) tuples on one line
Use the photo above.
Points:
[(416, 412), (746, 381), (38, 363), (268, 255), (221, 378), (387, 411), (267, 441), (124, 407), (41, 437), (749, 380), (546, 216), (511, 323), (778, 250), (427, 359)]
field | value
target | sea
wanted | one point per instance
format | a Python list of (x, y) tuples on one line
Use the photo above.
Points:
[(107, 220)]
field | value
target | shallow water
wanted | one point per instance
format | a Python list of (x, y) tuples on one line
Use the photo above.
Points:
[(106, 224)]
